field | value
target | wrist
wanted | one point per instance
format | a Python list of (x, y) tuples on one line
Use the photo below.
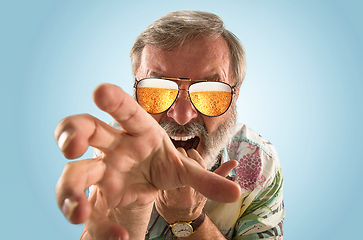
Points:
[(133, 218), (182, 229), (137, 207), (178, 215)]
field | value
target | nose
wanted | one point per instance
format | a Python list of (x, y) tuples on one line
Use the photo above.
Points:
[(182, 111)]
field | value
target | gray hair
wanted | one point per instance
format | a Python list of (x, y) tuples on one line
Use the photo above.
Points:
[(172, 30)]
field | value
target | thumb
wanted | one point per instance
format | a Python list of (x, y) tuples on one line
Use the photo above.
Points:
[(226, 168), (85, 235), (211, 184), (98, 226)]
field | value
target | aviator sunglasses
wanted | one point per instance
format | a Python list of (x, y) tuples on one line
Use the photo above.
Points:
[(157, 95)]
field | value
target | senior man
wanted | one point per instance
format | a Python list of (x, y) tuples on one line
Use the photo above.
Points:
[(174, 164)]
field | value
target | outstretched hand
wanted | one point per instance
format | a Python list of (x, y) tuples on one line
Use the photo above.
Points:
[(135, 163)]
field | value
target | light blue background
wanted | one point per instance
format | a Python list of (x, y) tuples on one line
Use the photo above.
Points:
[(302, 92)]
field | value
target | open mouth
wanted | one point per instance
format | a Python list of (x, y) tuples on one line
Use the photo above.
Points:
[(187, 142)]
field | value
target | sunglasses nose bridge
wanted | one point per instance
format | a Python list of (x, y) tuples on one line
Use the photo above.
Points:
[(182, 110), (183, 95), (183, 90)]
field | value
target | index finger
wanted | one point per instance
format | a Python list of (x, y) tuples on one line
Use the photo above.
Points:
[(123, 108)]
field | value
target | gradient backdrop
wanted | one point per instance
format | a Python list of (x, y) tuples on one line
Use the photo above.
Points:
[(302, 92)]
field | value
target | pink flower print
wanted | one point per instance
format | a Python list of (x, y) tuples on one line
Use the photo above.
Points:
[(233, 148), (249, 171), (252, 147)]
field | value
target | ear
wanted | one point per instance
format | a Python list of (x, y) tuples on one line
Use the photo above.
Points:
[(237, 92)]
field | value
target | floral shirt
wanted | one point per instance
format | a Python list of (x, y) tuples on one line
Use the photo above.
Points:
[(259, 213)]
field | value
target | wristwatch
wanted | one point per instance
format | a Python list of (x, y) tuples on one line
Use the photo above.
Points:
[(185, 229)]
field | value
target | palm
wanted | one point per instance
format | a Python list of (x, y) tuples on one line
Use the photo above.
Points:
[(133, 176)]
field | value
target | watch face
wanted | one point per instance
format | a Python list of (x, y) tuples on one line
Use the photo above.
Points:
[(182, 229)]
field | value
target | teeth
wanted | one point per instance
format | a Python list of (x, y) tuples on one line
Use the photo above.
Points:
[(178, 138)]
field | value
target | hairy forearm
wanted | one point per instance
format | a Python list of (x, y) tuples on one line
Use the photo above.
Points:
[(134, 220), (206, 231)]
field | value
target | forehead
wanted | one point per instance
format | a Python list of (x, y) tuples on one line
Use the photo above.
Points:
[(199, 58)]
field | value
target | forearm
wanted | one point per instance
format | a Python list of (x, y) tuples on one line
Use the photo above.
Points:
[(206, 231), (134, 220)]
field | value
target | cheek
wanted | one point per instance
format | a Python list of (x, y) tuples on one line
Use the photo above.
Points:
[(212, 123), (157, 117)]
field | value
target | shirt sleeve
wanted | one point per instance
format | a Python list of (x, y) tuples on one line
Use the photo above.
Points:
[(263, 218), (260, 176)]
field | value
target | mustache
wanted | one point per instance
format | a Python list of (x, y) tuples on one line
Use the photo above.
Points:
[(193, 128)]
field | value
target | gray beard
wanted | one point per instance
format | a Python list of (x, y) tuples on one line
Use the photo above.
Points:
[(211, 143)]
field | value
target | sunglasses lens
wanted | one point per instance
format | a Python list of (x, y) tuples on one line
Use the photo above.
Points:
[(211, 98), (156, 95)]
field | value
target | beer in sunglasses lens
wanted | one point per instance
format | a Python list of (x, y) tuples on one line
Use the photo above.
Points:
[(158, 95), (211, 98)]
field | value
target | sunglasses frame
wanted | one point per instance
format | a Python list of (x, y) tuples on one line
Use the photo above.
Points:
[(233, 91)]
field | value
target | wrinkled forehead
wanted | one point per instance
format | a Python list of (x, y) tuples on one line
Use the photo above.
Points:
[(199, 58)]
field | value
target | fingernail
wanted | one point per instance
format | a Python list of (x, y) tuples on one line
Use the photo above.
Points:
[(115, 237), (64, 139), (68, 208)]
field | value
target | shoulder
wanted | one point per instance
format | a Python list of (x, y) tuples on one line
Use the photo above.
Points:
[(245, 136), (257, 158)]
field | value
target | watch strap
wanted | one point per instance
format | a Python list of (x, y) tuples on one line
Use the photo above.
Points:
[(196, 223)]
